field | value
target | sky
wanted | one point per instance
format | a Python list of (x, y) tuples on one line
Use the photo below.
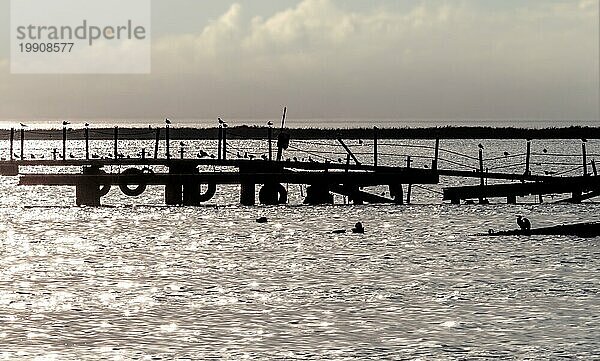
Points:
[(338, 59)]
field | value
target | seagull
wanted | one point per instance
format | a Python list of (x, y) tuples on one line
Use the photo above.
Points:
[(23, 125), (167, 121), (65, 123), (506, 154), (480, 146), (270, 123), (584, 140), (221, 121), (181, 144), (545, 150), (86, 125)]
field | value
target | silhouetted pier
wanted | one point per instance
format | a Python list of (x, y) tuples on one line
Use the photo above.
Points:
[(193, 181)]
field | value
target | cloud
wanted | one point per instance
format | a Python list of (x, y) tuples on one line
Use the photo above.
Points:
[(435, 60)]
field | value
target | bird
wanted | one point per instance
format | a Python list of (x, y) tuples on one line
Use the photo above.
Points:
[(358, 228), (65, 123), (360, 141), (168, 121), (480, 146), (584, 140), (181, 144), (86, 125), (221, 121), (262, 220), (506, 154), (523, 223), (23, 125), (33, 156), (71, 155), (270, 123), (545, 150)]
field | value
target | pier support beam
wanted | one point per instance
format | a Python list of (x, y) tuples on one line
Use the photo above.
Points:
[(248, 194), (397, 193), (512, 199), (318, 194)]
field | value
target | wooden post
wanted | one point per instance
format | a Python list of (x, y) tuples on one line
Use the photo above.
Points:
[(594, 168), (270, 136), (12, 140), (54, 153), (167, 141), (247, 194), (409, 186), (436, 156), (116, 145), (220, 138), (224, 142), (585, 170), (528, 158), (482, 180), (64, 143), (22, 143), (375, 147), (156, 143), (481, 175), (181, 152), (143, 153), (87, 143)]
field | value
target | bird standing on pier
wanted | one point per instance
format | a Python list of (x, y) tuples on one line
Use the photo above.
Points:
[(270, 123), (480, 146), (86, 125), (23, 125), (65, 123), (167, 121)]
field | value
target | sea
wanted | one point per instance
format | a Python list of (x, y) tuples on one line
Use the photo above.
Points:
[(137, 280)]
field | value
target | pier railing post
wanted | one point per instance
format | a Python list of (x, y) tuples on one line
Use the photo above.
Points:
[(584, 159), (156, 143), (116, 144), (375, 147), (594, 168), (167, 141), (54, 153), (87, 143), (270, 137), (12, 141), (436, 156), (22, 143), (64, 143), (224, 142), (528, 158), (220, 142), (482, 176), (409, 186)]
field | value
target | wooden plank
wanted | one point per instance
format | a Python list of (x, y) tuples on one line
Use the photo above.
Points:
[(557, 185), (357, 178)]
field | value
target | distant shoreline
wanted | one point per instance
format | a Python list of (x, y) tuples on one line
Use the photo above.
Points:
[(256, 132)]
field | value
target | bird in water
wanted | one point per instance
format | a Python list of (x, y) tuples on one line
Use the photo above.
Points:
[(262, 220), (358, 228), (524, 223), (506, 154)]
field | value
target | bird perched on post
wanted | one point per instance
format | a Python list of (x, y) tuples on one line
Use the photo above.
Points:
[(86, 125), (480, 146), (167, 121), (221, 121), (270, 123), (23, 125), (65, 123)]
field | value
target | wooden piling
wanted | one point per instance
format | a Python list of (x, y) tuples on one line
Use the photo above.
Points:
[(143, 153), (87, 143), (528, 158), (12, 140), (22, 143), (116, 143), (181, 152), (54, 153), (167, 141), (247, 194), (584, 159), (594, 168), (156, 143), (375, 146), (64, 142)]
